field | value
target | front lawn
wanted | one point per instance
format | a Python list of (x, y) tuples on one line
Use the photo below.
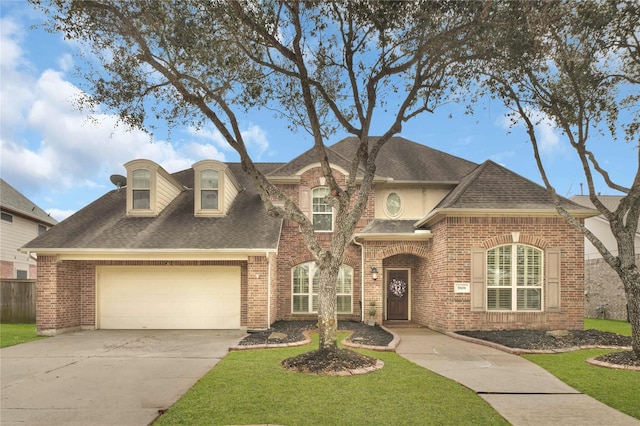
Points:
[(250, 387), (619, 389), (612, 326), (13, 334)]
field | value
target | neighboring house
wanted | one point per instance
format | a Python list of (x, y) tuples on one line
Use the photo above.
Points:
[(604, 291), (21, 221), (453, 244)]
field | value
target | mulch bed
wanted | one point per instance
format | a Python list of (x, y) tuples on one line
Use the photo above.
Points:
[(542, 340), (283, 332), (293, 331), (333, 362)]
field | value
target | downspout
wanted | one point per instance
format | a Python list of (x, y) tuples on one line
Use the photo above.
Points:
[(268, 291), (361, 278)]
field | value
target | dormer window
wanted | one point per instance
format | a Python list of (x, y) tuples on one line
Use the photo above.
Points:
[(215, 188), (209, 189), (150, 188), (141, 187)]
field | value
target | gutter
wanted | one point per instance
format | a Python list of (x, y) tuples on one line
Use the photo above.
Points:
[(438, 214)]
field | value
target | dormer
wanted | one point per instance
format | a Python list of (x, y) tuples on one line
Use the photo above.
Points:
[(215, 188), (150, 188)]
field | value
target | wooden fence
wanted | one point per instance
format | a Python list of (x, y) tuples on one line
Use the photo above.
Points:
[(18, 300)]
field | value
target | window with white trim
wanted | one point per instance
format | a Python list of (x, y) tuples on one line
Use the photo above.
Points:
[(209, 189), (305, 285), (514, 278), (141, 187), (322, 213)]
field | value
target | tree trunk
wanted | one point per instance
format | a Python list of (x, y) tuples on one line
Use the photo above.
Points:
[(631, 280), (327, 305)]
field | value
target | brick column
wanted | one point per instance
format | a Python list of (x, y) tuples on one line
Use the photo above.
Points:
[(257, 292), (46, 295)]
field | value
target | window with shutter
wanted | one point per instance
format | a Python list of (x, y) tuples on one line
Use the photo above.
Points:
[(514, 278)]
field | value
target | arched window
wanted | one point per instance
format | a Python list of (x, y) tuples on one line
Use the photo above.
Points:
[(514, 278), (322, 212), (141, 187), (305, 284)]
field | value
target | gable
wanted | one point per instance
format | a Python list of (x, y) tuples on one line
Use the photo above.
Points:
[(493, 189), (14, 202)]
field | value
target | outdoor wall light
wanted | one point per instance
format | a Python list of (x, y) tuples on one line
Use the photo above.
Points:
[(374, 273)]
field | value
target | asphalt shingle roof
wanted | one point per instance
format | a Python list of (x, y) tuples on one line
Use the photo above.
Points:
[(404, 160), (491, 186), (381, 226), (14, 201), (104, 224)]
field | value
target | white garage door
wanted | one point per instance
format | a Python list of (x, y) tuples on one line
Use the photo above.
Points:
[(169, 297)]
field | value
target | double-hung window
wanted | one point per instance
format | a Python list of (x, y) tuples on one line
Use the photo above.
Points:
[(514, 278), (209, 189), (141, 188), (321, 211), (305, 285)]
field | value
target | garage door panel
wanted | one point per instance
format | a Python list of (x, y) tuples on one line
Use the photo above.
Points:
[(169, 298)]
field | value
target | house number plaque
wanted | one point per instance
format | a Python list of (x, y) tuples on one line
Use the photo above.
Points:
[(462, 287)]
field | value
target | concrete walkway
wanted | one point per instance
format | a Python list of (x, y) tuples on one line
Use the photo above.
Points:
[(523, 393)]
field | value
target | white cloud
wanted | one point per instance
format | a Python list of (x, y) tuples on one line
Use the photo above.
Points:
[(254, 136), (256, 139), (16, 81), (53, 152), (549, 142), (502, 157), (60, 215)]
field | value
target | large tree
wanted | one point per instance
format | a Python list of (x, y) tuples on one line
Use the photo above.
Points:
[(324, 66), (577, 64)]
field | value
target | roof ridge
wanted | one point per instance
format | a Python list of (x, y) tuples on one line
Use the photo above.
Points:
[(465, 183)]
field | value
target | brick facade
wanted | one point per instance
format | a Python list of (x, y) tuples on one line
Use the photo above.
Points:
[(66, 291), (603, 288), (451, 262)]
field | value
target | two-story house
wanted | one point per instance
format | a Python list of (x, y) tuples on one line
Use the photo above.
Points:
[(20, 222), (443, 242)]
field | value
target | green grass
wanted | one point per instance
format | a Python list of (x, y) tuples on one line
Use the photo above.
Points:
[(619, 389), (250, 387), (618, 327), (13, 334)]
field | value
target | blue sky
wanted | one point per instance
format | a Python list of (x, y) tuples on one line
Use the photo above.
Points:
[(59, 159)]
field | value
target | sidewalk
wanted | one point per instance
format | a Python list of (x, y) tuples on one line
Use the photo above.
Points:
[(523, 393)]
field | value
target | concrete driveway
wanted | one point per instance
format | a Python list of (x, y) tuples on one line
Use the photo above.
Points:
[(105, 377)]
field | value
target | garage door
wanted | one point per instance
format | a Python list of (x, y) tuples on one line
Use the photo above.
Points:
[(169, 297)]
